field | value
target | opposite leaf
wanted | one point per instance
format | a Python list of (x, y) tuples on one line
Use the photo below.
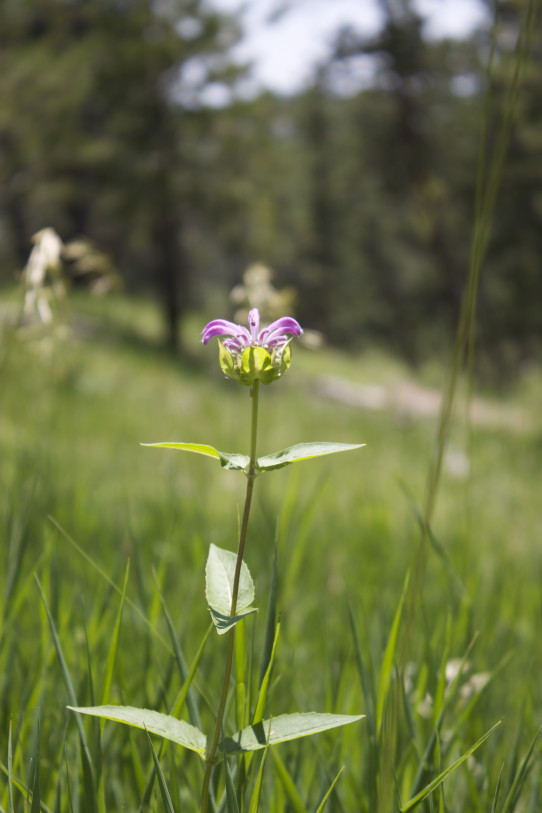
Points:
[(283, 728), (219, 576), (303, 451), (228, 460), (162, 724), (223, 622)]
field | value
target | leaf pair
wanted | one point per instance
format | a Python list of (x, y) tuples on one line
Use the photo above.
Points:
[(268, 732), (277, 460)]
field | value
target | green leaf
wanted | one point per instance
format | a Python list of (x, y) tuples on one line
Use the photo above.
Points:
[(197, 448), (219, 576), (162, 724), (283, 728), (224, 622), (233, 461), (302, 451), (228, 460), (444, 775)]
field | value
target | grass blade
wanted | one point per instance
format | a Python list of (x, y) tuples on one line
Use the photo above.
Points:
[(178, 704), (497, 791), (271, 616), (240, 658), (36, 799), (365, 671), (388, 660), (187, 675), (288, 785), (444, 705), (231, 798), (256, 793), (11, 808), (112, 654), (184, 693), (67, 680), (166, 798), (513, 794), (264, 688), (322, 804), (23, 789), (111, 583), (410, 805)]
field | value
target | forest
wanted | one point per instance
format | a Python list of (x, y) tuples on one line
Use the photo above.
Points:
[(125, 122)]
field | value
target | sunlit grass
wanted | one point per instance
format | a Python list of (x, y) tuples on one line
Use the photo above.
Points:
[(72, 418)]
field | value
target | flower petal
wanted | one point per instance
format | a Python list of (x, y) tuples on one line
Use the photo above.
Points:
[(254, 324), (221, 327), (286, 324), (234, 345), (279, 328)]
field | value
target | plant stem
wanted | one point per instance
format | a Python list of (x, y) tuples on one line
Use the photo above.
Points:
[(251, 476)]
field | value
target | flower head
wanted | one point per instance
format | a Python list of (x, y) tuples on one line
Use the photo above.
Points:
[(250, 354)]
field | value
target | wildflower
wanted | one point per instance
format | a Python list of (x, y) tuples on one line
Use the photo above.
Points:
[(250, 355)]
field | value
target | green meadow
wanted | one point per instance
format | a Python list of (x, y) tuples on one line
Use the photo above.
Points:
[(103, 551)]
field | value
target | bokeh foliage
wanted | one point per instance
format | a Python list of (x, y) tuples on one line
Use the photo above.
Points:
[(358, 192)]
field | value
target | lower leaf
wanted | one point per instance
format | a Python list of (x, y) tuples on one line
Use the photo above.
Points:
[(153, 721), (283, 728)]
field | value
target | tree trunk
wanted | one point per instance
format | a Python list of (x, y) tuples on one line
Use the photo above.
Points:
[(172, 275), (12, 200)]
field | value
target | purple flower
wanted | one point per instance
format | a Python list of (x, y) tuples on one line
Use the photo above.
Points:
[(272, 337), (268, 349)]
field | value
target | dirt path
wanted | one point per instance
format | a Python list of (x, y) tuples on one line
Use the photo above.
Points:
[(408, 399)]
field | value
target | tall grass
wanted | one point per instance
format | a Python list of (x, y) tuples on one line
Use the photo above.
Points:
[(70, 434)]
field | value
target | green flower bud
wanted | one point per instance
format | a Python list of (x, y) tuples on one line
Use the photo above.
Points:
[(254, 363)]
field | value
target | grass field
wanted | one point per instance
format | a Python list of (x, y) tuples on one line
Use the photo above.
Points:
[(81, 502)]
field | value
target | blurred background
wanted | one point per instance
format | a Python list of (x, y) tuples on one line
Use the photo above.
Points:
[(337, 141)]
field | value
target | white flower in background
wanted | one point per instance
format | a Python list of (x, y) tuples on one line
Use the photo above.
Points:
[(44, 262)]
